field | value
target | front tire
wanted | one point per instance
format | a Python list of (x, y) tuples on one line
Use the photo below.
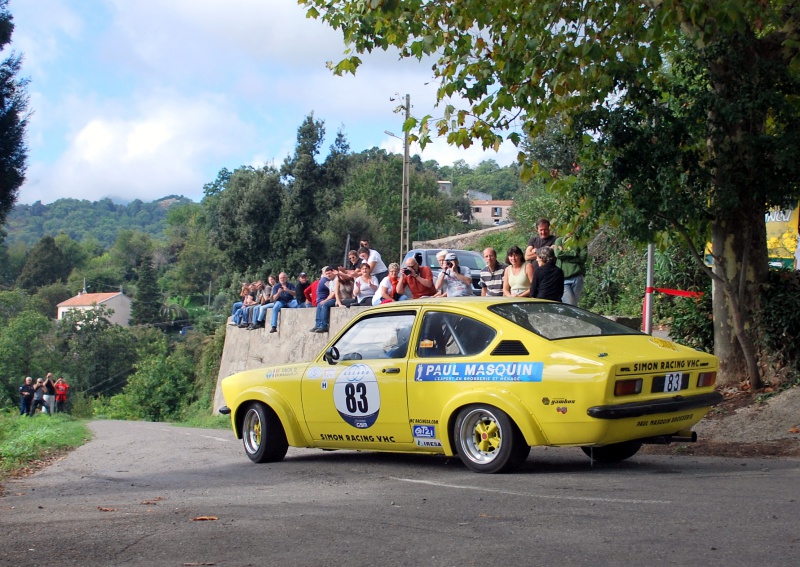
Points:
[(488, 441), (262, 434), (614, 453)]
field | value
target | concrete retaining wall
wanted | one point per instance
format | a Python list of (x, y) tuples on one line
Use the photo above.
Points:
[(247, 350)]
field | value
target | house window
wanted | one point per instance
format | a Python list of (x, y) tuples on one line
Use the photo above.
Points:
[(476, 209), (497, 211)]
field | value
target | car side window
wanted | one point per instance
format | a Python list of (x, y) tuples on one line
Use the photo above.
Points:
[(383, 336), (448, 334)]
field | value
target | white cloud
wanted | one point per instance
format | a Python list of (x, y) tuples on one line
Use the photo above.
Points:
[(159, 149), (147, 98)]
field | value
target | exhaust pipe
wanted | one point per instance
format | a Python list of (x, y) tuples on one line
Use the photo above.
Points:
[(685, 436)]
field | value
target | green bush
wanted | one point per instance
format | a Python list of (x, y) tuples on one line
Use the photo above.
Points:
[(778, 324)]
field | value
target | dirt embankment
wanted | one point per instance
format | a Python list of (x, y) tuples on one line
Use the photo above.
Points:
[(741, 426)]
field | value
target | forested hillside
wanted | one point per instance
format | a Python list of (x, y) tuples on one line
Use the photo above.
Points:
[(80, 219)]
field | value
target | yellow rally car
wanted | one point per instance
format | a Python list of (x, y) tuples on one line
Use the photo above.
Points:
[(484, 378)]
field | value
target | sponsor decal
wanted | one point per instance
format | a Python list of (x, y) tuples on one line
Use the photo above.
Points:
[(664, 420), (352, 438), (428, 442), (356, 396), (548, 401), (329, 373), (655, 366), (663, 344), (480, 372), (424, 431), (324, 384), (280, 372), (314, 372), (562, 410), (424, 421)]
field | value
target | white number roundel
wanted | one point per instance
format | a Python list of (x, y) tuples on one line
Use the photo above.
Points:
[(357, 396)]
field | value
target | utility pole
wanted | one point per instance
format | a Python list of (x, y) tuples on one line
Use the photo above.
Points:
[(404, 245), (405, 218)]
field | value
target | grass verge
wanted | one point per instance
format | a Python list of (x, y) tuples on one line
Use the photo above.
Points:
[(26, 440), (206, 422)]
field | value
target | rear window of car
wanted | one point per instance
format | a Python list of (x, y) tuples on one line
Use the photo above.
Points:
[(555, 321)]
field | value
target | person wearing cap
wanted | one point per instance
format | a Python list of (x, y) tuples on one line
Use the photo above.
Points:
[(454, 280), (301, 286), (26, 396), (325, 300)]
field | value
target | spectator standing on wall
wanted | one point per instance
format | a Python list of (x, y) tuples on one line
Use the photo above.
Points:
[(571, 258), (376, 266), (542, 238), (492, 274)]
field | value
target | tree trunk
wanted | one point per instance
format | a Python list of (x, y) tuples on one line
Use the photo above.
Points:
[(740, 264)]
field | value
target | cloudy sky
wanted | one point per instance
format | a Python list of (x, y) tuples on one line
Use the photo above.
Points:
[(147, 98)]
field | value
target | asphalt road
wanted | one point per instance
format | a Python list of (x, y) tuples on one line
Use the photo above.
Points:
[(133, 496)]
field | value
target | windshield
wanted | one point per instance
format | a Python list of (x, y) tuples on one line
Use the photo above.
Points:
[(559, 321), (466, 258)]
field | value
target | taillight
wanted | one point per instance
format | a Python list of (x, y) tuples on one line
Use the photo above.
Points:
[(706, 379), (628, 387)]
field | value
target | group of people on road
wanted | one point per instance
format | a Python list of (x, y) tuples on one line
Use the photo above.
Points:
[(550, 268), (46, 393)]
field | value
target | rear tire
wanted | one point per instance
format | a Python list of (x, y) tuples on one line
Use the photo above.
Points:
[(487, 441), (262, 434), (614, 453)]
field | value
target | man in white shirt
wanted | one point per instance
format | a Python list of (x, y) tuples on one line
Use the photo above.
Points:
[(454, 280)]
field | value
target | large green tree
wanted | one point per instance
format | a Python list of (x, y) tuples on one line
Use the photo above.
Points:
[(514, 64), (246, 212), (13, 119), (313, 191)]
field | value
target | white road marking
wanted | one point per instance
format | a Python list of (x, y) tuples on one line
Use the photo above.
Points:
[(546, 496)]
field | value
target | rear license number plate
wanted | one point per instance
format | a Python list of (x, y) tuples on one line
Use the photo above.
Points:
[(669, 383)]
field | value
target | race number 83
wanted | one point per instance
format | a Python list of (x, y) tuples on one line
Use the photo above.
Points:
[(357, 396)]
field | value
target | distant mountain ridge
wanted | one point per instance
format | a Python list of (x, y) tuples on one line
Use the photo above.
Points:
[(80, 218)]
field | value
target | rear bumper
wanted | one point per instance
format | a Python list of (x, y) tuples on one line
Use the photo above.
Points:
[(650, 407)]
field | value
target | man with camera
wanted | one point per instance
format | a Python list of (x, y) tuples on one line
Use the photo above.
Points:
[(418, 279), (454, 280)]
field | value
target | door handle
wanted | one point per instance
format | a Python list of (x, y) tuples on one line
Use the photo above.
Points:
[(391, 371)]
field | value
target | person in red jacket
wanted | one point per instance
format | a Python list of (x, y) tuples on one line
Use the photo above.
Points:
[(311, 293), (61, 394)]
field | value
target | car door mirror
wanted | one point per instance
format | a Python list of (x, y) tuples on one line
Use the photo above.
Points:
[(331, 355)]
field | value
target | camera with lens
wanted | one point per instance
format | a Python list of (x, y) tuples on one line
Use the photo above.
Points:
[(408, 271), (449, 263)]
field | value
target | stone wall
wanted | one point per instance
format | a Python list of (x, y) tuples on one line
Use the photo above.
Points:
[(247, 350), (466, 241)]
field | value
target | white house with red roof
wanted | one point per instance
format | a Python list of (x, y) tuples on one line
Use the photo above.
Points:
[(117, 301)]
